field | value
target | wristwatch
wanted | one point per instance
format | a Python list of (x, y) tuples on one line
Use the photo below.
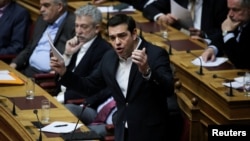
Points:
[(147, 72)]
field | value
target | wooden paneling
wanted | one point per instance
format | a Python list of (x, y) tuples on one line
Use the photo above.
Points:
[(32, 7), (11, 129)]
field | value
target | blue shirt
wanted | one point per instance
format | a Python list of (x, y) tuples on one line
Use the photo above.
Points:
[(40, 58)]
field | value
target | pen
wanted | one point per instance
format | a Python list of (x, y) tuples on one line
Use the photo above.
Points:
[(62, 125)]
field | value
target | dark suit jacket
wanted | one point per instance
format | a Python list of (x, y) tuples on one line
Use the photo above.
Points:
[(65, 32), (237, 52), (14, 26), (214, 12), (87, 64), (144, 108), (138, 4)]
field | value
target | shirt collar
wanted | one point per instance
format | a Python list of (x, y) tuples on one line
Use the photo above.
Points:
[(59, 20), (87, 44)]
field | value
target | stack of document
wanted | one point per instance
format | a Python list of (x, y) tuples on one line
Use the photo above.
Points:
[(7, 77)]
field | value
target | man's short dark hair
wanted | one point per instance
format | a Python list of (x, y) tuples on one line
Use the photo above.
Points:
[(122, 19)]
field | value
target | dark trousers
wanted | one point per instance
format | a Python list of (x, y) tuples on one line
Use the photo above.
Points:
[(126, 134)]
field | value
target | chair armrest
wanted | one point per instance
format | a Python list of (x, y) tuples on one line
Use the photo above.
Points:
[(47, 81), (2, 57), (75, 101), (109, 138), (110, 132), (48, 85), (110, 128), (7, 58), (44, 75)]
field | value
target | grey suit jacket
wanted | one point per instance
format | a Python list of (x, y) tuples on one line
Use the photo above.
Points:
[(145, 106), (64, 33)]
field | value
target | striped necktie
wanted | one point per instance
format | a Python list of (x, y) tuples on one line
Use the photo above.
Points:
[(104, 112)]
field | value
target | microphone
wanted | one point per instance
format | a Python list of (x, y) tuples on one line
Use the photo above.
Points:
[(40, 125), (140, 33), (14, 105), (108, 15), (230, 91), (200, 72), (170, 46), (73, 132)]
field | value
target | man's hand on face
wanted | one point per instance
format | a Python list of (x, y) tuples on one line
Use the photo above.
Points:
[(72, 46)]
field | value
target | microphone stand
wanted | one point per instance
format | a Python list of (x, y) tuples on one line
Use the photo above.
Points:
[(40, 125), (73, 132), (200, 72), (230, 91), (14, 108), (14, 105), (140, 33), (170, 46), (108, 15)]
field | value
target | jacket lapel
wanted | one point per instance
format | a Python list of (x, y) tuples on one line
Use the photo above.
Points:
[(134, 78)]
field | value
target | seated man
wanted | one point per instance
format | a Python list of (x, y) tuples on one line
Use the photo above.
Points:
[(14, 22), (84, 51), (233, 41), (137, 4), (59, 23), (82, 56), (208, 15)]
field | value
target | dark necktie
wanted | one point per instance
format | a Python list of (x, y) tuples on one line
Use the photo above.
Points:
[(237, 33), (104, 112)]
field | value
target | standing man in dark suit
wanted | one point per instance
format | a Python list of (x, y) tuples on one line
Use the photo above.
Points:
[(54, 20), (139, 76), (233, 41), (14, 22), (209, 14)]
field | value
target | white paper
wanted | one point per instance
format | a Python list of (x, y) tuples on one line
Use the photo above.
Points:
[(55, 52), (217, 62), (182, 14), (4, 71), (4, 75), (64, 129), (239, 79), (234, 84), (238, 82), (110, 9)]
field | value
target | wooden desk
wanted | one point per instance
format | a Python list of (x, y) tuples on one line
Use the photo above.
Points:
[(203, 98), (24, 108)]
